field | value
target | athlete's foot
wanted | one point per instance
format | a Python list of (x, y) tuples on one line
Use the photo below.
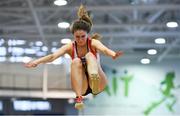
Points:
[(94, 83), (79, 103)]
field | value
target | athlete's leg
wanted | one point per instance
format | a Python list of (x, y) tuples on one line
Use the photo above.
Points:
[(98, 83), (78, 80), (92, 68)]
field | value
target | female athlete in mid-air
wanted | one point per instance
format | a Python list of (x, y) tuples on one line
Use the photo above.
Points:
[(87, 75)]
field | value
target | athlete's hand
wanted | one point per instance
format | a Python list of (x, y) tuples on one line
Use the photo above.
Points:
[(118, 54), (31, 64)]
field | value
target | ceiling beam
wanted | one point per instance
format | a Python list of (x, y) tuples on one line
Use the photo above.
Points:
[(96, 26), (153, 34), (136, 56), (37, 21), (142, 45), (8, 2), (168, 49), (101, 8), (152, 19), (17, 15)]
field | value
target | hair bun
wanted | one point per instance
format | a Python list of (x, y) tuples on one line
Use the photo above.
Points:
[(83, 15)]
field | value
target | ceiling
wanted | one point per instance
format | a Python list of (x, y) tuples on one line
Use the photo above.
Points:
[(128, 25)]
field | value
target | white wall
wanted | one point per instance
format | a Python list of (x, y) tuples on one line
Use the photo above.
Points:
[(18, 81), (143, 90), (16, 75)]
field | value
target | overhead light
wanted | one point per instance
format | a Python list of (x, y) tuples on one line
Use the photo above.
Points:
[(63, 25), (11, 42), (152, 51), (39, 53), (19, 59), (160, 41), (2, 51), (16, 59), (2, 42), (53, 49), (29, 51), (44, 49), (36, 48), (9, 49), (12, 59), (145, 61), (39, 43), (172, 24), (26, 59), (17, 51), (16, 42), (20, 42), (60, 2), (65, 41), (2, 59)]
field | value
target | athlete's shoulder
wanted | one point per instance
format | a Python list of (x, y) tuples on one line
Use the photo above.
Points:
[(95, 42)]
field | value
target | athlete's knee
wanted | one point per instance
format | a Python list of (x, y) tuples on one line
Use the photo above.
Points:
[(90, 55), (76, 62)]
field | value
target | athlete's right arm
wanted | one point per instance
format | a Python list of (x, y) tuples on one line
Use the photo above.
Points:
[(49, 58)]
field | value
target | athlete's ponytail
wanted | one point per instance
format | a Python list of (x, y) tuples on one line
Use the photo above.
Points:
[(84, 22)]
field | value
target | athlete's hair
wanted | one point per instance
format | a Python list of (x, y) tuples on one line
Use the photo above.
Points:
[(84, 22)]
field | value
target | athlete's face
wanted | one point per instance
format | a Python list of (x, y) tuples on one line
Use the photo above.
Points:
[(80, 37)]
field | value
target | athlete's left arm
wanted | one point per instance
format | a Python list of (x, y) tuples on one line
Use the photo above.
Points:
[(99, 46)]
